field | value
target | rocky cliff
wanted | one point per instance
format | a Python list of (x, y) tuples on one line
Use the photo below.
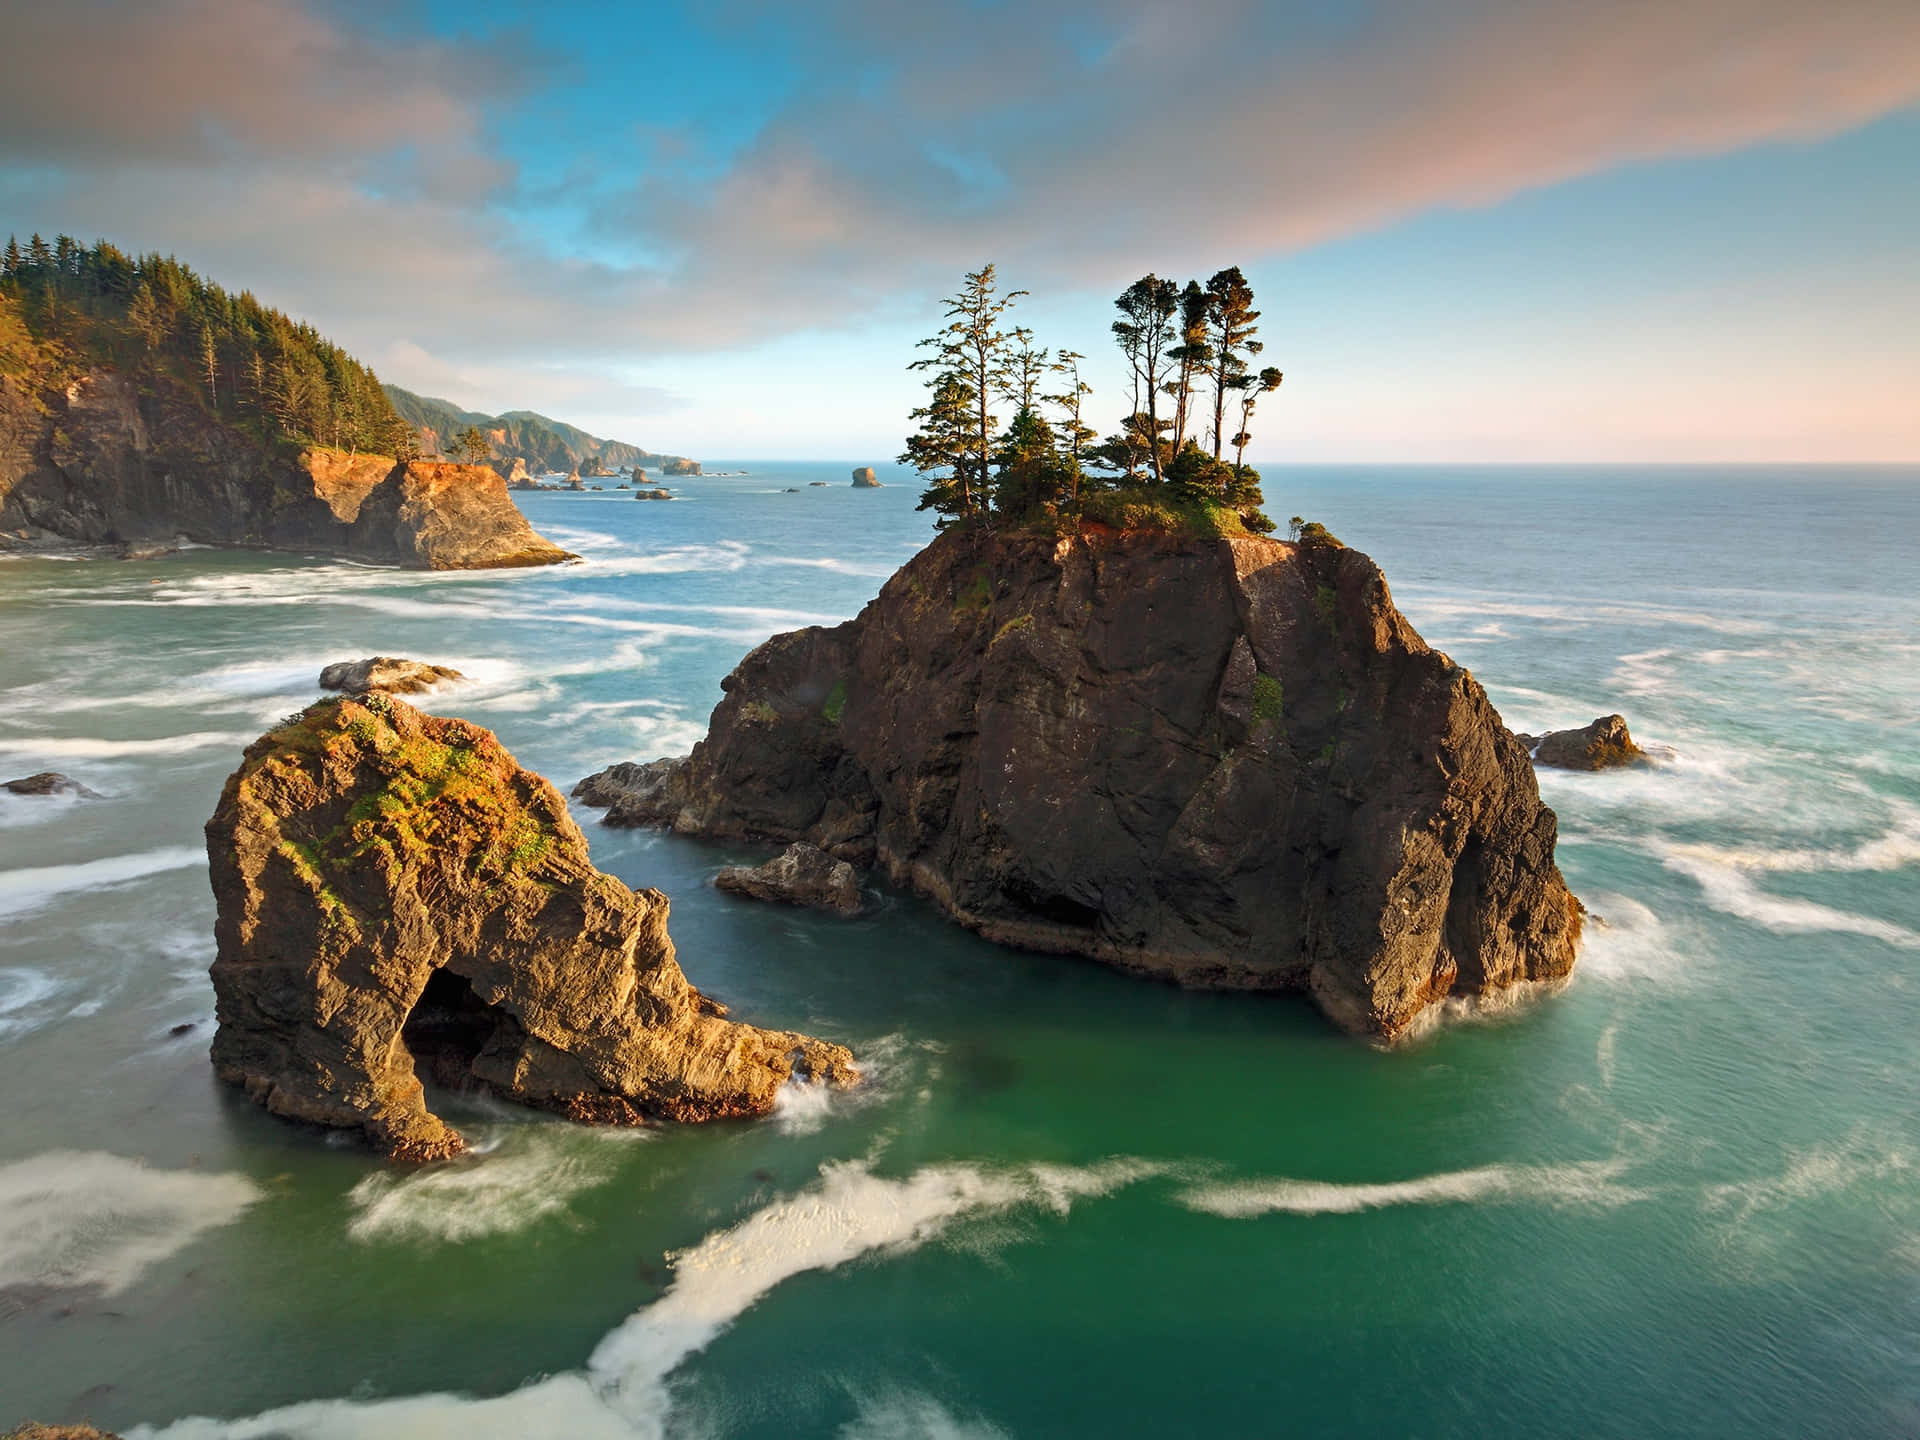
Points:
[(99, 458), (397, 900), (1229, 763)]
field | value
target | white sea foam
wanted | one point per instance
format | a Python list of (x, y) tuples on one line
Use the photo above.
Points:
[(848, 1215), (22, 890), (1726, 885), (910, 1415), (1821, 1170), (1624, 940), (23, 989), (71, 1218), (830, 563), (1587, 1183), (1603, 1053), (529, 1176), (68, 747)]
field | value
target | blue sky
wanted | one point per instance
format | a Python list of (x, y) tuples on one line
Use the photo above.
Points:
[(1485, 230)]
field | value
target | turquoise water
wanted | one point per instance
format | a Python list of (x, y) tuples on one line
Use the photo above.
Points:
[(1679, 1198)]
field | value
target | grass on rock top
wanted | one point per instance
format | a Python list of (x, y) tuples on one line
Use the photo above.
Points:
[(429, 793)]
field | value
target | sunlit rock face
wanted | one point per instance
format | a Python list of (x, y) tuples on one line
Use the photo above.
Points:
[(1226, 762), (398, 900)]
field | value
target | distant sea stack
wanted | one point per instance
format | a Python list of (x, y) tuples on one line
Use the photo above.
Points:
[(865, 479), (679, 466), (1230, 763), (397, 900)]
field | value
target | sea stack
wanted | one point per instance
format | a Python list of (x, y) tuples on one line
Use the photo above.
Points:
[(1225, 762), (398, 900), (865, 479)]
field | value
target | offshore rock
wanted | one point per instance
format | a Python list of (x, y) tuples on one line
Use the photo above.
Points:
[(1600, 746), (397, 900), (802, 874), (49, 782), (865, 479), (1225, 762), (385, 672)]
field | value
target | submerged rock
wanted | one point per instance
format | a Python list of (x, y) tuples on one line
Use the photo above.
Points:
[(385, 672), (802, 874), (1228, 763), (865, 479), (398, 900), (49, 782), (1599, 746)]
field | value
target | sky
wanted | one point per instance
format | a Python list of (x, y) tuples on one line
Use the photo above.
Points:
[(1478, 230)]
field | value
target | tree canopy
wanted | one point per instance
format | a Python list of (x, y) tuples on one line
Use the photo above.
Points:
[(1048, 465), (248, 363)]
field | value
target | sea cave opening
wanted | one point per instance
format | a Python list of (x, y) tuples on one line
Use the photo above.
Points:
[(447, 1028)]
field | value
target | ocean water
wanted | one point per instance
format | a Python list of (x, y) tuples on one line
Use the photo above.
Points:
[(1680, 1198)]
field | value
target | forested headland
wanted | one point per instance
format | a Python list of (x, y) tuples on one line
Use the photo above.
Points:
[(153, 317), (1178, 458)]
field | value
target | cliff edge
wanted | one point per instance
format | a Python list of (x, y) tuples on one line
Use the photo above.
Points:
[(104, 459), (397, 900), (1226, 762)]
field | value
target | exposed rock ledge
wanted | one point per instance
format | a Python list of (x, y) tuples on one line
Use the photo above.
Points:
[(396, 898), (390, 673), (101, 461), (802, 874), (1229, 763), (1602, 745)]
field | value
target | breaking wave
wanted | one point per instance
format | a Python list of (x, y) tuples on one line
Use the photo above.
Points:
[(1588, 1183), (27, 889), (73, 1219), (848, 1215)]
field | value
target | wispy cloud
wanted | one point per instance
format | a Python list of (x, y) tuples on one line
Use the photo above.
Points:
[(359, 175)]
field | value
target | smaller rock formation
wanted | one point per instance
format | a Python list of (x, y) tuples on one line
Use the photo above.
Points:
[(385, 672), (397, 901), (147, 552), (817, 484), (653, 494), (518, 477), (34, 1430), (680, 465), (802, 874), (640, 474), (1600, 746), (865, 479), (791, 490), (49, 782)]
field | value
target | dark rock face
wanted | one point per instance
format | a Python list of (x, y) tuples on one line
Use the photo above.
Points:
[(802, 874), (385, 672), (99, 460), (49, 782), (398, 900), (865, 479), (1228, 763), (1599, 746)]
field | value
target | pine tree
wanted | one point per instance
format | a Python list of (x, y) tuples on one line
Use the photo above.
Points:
[(1145, 336), (974, 349), (943, 449), (1191, 355), (1072, 429), (1231, 316), (1251, 389)]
